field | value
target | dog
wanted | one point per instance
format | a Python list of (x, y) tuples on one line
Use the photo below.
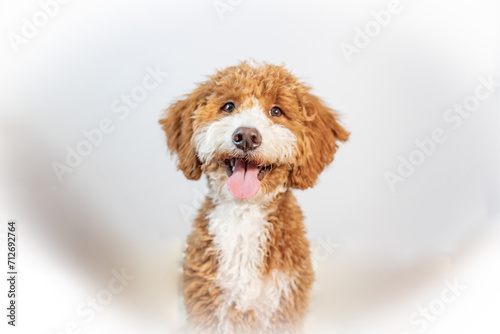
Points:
[(257, 133)]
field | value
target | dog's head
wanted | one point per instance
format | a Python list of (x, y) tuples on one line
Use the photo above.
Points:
[(253, 130)]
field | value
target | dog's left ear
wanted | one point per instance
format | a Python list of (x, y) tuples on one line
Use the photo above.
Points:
[(178, 127), (318, 143)]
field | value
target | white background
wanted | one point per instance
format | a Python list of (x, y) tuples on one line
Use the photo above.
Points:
[(126, 205)]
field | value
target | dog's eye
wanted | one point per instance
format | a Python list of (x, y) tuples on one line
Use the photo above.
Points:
[(228, 107), (275, 112)]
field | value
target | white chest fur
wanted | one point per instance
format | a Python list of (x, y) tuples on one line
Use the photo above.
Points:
[(240, 233)]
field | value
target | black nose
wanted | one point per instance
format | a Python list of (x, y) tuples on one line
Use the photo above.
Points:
[(247, 139)]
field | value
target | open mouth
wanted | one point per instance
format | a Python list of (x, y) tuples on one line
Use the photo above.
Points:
[(244, 177), (230, 164)]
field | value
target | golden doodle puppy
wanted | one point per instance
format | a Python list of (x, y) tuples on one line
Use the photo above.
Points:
[(257, 133)]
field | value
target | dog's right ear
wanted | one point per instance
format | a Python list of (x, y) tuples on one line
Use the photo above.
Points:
[(178, 127)]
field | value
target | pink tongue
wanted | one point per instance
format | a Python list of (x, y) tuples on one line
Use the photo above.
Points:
[(243, 183)]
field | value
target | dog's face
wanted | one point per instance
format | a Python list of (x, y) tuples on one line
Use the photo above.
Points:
[(253, 130)]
